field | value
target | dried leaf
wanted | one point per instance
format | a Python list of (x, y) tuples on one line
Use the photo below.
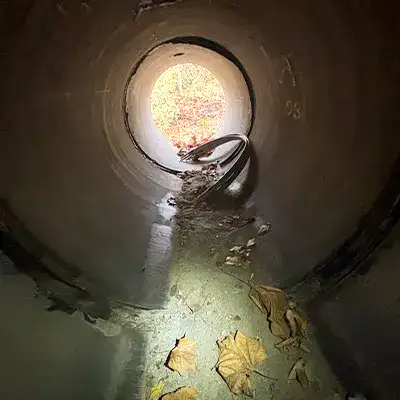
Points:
[(237, 249), (305, 348), (291, 321), (264, 229), (183, 393), (156, 391), (301, 323), (302, 377), (234, 261), (183, 358), (299, 372), (251, 242), (237, 359), (284, 319), (293, 341), (273, 302)]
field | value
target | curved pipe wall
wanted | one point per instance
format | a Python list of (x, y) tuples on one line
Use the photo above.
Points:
[(321, 127)]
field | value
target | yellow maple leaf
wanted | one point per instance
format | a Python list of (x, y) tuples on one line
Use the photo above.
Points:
[(183, 393), (183, 358), (237, 360)]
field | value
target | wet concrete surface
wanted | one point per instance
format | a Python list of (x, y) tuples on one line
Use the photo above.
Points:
[(64, 356), (206, 304), (52, 355)]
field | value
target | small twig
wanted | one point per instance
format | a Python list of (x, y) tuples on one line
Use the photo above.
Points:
[(184, 300), (263, 375), (190, 308), (239, 279)]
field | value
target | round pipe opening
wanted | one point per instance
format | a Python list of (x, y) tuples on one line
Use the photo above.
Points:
[(139, 118), (188, 105)]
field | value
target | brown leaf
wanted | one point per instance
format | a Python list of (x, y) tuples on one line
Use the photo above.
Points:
[(293, 341), (272, 301), (237, 249), (251, 242), (183, 358), (291, 321), (183, 393), (304, 348), (301, 323), (237, 359), (299, 372), (264, 229), (234, 261)]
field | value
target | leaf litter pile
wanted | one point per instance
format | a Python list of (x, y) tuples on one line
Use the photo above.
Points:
[(239, 356), (196, 219), (238, 359), (195, 183)]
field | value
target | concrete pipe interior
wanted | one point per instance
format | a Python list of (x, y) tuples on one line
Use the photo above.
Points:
[(87, 179)]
